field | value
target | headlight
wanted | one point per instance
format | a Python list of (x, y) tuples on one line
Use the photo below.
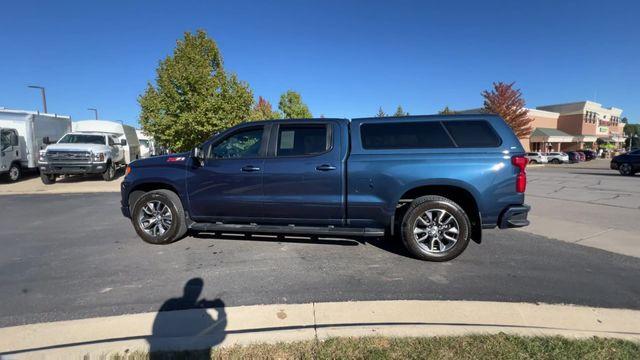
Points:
[(98, 157), (42, 157)]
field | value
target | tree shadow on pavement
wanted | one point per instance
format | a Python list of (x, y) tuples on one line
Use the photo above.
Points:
[(184, 323)]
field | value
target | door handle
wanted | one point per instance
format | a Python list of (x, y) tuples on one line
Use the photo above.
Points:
[(325, 167), (250, 168)]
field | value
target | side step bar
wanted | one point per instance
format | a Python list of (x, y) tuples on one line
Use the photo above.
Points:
[(289, 229)]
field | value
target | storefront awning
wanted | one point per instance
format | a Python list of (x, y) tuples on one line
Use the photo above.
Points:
[(551, 135)]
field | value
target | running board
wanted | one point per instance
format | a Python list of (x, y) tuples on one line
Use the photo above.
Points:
[(288, 229)]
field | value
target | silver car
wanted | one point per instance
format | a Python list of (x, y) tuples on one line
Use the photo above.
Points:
[(536, 158), (557, 157)]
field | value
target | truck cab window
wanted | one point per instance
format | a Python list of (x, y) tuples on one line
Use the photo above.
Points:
[(298, 140), (111, 141), (242, 144)]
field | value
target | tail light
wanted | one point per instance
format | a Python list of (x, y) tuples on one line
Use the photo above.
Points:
[(521, 179)]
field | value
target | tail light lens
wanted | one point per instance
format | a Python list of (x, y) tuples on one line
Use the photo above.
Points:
[(521, 179)]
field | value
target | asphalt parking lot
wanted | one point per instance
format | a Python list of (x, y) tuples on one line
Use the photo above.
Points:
[(69, 256)]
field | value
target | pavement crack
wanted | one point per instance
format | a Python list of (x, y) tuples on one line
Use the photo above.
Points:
[(315, 323), (593, 235)]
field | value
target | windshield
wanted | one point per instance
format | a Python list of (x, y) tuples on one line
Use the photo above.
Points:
[(144, 143), (82, 139)]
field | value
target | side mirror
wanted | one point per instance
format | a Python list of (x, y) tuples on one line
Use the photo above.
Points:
[(198, 155), (123, 142), (46, 141)]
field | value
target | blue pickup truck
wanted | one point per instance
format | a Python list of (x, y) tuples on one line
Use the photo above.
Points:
[(432, 181)]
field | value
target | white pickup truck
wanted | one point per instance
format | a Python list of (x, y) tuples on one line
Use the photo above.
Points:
[(82, 153)]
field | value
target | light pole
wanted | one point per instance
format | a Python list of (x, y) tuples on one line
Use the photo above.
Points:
[(44, 97), (95, 111)]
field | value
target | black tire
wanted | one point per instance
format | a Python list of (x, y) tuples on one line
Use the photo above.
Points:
[(556, 161), (48, 179), (110, 173), (626, 169), (418, 208), (533, 161), (177, 228), (15, 172)]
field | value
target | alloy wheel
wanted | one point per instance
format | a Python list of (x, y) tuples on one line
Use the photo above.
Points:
[(155, 218), (625, 169), (436, 231), (14, 173)]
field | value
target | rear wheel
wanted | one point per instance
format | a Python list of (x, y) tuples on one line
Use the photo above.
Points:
[(556, 161), (625, 169), (48, 179), (158, 217), (435, 228), (532, 161), (15, 172)]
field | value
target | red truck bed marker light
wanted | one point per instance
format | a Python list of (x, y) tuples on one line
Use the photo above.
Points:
[(176, 159), (521, 180)]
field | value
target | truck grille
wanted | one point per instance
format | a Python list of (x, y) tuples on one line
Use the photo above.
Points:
[(68, 157)]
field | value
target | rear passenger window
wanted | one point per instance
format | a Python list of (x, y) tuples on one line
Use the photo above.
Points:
[(404, 135), (475, 133), (298, 140)]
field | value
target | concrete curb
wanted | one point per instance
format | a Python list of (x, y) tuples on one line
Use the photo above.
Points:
[(196, 328)]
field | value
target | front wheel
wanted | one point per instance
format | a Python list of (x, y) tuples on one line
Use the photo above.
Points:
[(555, 161), (15, 172), (158, 217), (110, 173), (435, 228), (48, 179), (625, 169)]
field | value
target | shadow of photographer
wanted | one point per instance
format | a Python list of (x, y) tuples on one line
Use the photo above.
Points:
[(184, 323)]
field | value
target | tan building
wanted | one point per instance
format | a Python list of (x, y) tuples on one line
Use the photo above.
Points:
[(571, 126), (587, 121)]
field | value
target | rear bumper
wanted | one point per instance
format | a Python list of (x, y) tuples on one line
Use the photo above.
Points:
[(514, 216)]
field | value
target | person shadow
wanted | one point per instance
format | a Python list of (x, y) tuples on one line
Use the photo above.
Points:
[(184, 323)]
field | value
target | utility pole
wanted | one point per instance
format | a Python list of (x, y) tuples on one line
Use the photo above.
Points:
[(44, 97), (95, 111)]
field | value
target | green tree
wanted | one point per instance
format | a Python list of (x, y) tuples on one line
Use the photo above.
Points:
[(446, 111), (292, 107), (193, 97), (381, 112), (400, 111), (262, 110)]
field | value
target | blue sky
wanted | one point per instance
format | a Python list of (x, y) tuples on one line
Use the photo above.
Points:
[(346, 58)]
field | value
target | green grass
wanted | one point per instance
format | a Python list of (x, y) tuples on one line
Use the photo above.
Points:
[(499, 346)]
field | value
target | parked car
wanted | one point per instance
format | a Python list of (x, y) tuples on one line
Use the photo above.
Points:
[(582, 156), (82, 153), (590, 155), (574, 157), (536, 158), (419, 178), (557, 157), (627, 164), (22, 135)]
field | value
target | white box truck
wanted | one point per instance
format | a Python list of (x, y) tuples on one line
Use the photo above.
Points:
[(23, 134), (122, 131), (93, 147), (147, 144)]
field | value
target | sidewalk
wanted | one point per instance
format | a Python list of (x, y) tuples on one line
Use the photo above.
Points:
[(185, 329), (76, 184)]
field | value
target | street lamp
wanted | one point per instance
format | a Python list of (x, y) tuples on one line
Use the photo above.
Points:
[(44, 97), (95, 111)]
